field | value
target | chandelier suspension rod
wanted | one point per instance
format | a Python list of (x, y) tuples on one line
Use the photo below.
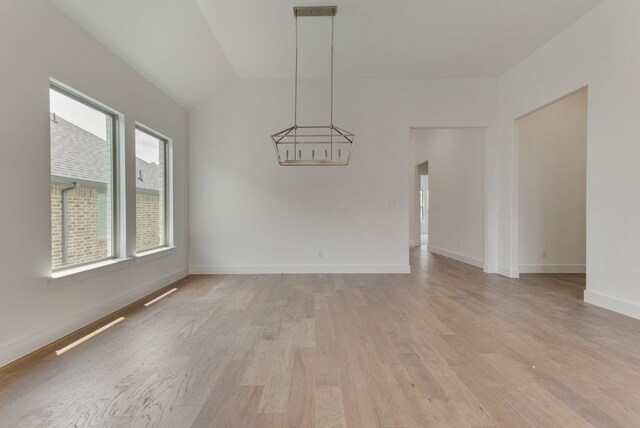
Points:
[(332, 16), (332, 70), (295, 101)]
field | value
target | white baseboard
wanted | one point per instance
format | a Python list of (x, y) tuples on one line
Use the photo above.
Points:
[(566, 268), (490, 268), (508, 272), (39, 338), (624, 307), (456, 256), (304, 269)]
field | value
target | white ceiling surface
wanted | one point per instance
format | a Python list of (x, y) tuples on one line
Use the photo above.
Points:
[(386, 38), (167, 41), (170, 42)]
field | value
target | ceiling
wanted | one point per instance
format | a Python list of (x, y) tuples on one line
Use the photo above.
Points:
[(188, 48), (167, 41)]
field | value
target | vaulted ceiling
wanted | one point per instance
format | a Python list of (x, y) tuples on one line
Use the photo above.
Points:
[(188, 48)]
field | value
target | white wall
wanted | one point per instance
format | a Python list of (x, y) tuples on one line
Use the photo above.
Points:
[(552, 187), (36, 43), (599, 51), (247, 214), (456, 191)]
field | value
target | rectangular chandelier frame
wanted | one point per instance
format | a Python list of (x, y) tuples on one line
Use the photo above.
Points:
[(313, 146), (324, 145)]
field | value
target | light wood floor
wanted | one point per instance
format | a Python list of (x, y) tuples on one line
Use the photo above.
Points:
[(445, 346)]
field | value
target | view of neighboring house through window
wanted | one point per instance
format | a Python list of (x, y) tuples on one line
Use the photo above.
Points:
[(82, 181), (151, 191)]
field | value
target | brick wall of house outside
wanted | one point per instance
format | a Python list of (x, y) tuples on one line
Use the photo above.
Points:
[(83, 242), (149, 219), (56, 226)]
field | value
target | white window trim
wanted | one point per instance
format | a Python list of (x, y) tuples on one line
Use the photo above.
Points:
[(119, 260), (169, 215), (156, 253), (81, 273)]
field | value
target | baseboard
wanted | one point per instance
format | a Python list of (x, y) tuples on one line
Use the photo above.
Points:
[(456, 256), (623, 307), (303, 269), (508, 272), (566, 268), (490, 268), (35, 340)]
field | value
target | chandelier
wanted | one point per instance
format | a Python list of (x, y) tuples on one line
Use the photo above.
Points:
[(304, 145)]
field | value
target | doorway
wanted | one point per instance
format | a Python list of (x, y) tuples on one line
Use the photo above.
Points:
[(447, 214), (552, 188)]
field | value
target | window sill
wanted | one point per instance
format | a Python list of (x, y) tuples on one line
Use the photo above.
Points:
[(154, 254), (70, 276)]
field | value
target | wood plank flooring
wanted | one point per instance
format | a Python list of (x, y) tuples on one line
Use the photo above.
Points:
[(447, 346)]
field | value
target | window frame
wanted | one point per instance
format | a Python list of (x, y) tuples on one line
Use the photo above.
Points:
[(117, 183), (168, 191)]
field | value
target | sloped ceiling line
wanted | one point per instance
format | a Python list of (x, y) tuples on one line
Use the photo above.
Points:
[(189, 48)]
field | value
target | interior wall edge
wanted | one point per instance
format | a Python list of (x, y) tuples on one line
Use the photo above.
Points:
[(508, 272), (457, 256), (624, 307), (553, 268), (490, 269)]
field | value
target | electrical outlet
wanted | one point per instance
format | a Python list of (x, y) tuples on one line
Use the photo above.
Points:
[(320, 254), (544, 253), (391, 204)]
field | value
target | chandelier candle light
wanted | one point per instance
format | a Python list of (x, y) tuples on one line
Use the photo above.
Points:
[(325, 145)]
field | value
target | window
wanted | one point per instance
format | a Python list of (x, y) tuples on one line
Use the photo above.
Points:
[(151, 190), (82, 180)]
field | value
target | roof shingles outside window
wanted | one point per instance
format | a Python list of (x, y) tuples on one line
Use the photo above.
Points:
[(78, 155)]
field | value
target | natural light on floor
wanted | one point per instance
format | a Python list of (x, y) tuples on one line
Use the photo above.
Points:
[(151, 302), (88, 336)]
